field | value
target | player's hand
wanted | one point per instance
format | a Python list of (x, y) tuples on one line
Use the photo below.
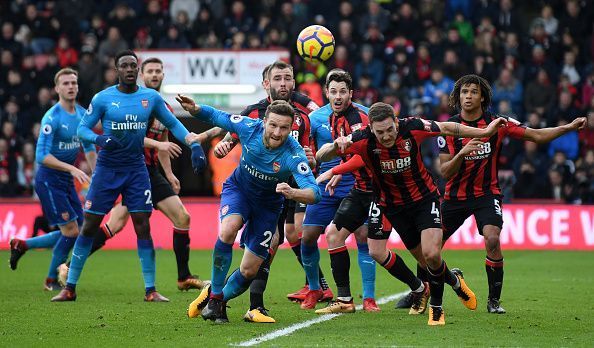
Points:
[(108, 142), (342, 143), (198, 158), (79, 175), (284, 189), (331, 185), (222, 148), (188, 104), (175, 185), (325, 176), (472, 146), (193, 138), (578, 124), (494, 126), (172, 149), (310, 156)]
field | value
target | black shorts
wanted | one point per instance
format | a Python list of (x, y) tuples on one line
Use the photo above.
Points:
[(487, 210), (408, 221), (353, 210), (160, 187), (292, 209)]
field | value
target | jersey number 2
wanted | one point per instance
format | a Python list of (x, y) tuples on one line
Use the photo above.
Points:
[(148, 195), (267, 237)]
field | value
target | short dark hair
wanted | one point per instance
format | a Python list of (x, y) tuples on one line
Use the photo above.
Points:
[(123, 54), (340, 76), (486, 91), (332, 72), (150, 60), (279, 64), (380, 111), (280, 107), (65, 71)]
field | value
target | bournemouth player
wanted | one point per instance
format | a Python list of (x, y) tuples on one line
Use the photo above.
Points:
[(252, 196), (408, 196), (353, 210), (124, 111), (57, 149), (346, 117), (164, 190), (470, 165)]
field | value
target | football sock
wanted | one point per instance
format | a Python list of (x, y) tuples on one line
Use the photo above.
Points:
[(367, 267), (47, 240), (310, 255), (181, 247), (146, 253), (422, 274), (436, 277), (340, 262), (494, 270), (397, 268), (451, 279), (221, 261), (297, 251), (102, 235), (60, 254), (82, 248), (236, 285), (258, 285)]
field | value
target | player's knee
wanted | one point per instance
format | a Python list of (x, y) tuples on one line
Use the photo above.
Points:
[(248, 272), (492, 242), (432, 255), (376, 254), (182, 219), (70, 229)]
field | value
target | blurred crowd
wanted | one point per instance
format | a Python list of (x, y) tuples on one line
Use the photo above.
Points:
[(537, 54)]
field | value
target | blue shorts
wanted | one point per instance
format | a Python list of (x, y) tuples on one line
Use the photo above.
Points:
[(58, 197), (260, 218), (322, 213), (107, 183)]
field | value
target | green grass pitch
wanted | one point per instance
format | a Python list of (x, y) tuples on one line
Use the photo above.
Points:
[(549, 297)]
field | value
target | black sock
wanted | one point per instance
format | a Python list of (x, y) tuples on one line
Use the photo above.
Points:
[(436, 277), (395, 265), (494, 270), (258, 285), (340, 262), (449, 277), (101, 236), (422, 274), (181, 247)]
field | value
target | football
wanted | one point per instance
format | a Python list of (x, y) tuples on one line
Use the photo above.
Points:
[(315, 43)]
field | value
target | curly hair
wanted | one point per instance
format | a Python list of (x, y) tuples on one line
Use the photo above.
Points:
[(486, 91)]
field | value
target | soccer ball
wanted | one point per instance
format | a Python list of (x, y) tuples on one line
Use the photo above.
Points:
[(315, 43)]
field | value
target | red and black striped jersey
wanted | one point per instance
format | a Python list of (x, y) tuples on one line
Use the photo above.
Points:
[(348, 121), (399, 175), (301, 125), (157, 131), (303, 102), (477, 175)]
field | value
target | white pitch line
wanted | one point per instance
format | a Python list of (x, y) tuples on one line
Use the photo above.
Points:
[(290, 329)]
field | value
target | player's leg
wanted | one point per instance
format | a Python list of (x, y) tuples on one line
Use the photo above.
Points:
[(105, 187), (258, 312), (489, 220), (176, 212)]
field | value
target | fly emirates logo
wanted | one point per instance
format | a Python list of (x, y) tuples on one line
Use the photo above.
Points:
[(131, 123), (258, 174), (74, 144)]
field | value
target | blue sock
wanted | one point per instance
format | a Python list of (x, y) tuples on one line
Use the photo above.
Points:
[(310, 256), (82, 248), (146, 254), (60, 254), (221, 261), (47, 240), (367, 266), (236, 285)]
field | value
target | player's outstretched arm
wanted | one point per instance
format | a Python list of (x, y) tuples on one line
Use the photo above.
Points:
[(458, 130), (211, 115), (545, 135), (329, 151), (450, 164), (304, 195)]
